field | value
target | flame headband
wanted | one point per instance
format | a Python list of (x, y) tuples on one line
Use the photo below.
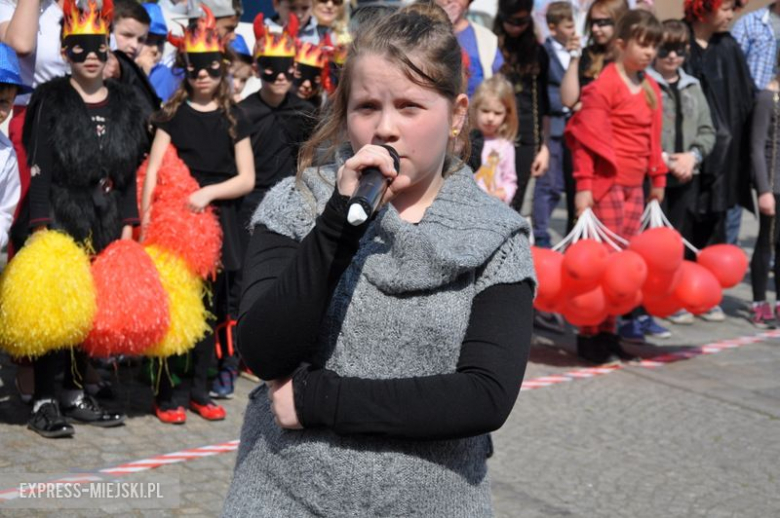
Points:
[(311, 55), (275, 45), (201, 36), (87, 17)]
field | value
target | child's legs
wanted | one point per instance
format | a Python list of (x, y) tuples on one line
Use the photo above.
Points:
[(46, 368), (524, 158), (762, 256), (547, 194)]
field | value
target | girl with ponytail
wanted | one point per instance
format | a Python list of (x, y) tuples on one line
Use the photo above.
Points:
[(616, 141)]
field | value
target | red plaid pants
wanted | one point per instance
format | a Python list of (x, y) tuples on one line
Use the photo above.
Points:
[(620, 210)]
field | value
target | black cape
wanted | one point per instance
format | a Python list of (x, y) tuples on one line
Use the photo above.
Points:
[(728, 86)]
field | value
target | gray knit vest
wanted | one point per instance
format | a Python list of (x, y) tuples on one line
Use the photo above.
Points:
[(400, 310)]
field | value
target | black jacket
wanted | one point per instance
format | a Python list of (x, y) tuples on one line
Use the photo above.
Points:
[(61, 140)]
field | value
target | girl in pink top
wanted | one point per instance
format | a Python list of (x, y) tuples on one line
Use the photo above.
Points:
[(494, 114)]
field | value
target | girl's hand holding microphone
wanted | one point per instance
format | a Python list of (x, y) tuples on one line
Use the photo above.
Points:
[(359, 178)]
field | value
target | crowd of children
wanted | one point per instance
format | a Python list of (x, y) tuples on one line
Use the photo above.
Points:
[(637, 113)]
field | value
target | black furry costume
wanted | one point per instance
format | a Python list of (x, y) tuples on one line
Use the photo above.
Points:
[(61, 139)]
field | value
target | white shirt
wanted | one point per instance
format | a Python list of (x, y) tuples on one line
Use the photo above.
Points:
[(561, 53), (10, 188), (45, 63)]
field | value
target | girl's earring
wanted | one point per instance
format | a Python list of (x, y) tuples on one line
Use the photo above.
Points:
[(454, 132)]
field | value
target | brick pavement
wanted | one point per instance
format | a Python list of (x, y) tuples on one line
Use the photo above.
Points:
[(695, 438)]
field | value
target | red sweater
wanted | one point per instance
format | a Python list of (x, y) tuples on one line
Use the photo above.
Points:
[(615, 138)]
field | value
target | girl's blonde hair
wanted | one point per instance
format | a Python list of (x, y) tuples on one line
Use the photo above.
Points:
[(500, 88), (223, 96), (419, 40), (643, 27)]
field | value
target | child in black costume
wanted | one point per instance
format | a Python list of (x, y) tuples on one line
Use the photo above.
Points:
[(212, 138), (84, 141)]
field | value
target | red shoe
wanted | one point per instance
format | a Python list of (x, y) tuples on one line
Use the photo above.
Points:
[(175, 416), (210, 412)]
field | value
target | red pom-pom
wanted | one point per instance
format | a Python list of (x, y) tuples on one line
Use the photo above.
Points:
[(132, 306), (728, 263), (195, 237)]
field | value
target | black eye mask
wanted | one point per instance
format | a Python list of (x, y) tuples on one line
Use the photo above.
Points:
[(308, 73), (89, 43), (197, 61), (277, 66)]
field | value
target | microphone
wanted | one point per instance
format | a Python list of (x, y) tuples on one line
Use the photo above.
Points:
[(371, 188)]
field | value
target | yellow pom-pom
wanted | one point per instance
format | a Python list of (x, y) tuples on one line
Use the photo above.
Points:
[(47, 296), (188, 322)]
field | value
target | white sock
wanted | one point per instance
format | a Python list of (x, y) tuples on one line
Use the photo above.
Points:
[(38, 404)]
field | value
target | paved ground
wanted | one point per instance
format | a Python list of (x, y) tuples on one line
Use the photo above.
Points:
[(699, 437)]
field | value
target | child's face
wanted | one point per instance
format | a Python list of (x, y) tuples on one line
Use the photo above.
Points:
[(130, 36), (241, 73), (226, 27), (301, 8), (204, 73), (670, 58), (562, 31), (602, 26), (456, 9), (326, 11), (7, 96), (636, 55), (516, 24), (86, 55), (276, 74), (720, 20), (491, 114), (385, 107), (308, 80)]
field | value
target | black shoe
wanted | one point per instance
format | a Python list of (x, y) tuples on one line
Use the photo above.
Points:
[(48, 422), (613, 345), (86, 410), (595, 350)]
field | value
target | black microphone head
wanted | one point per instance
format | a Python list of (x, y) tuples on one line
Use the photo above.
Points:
[(394, 156)]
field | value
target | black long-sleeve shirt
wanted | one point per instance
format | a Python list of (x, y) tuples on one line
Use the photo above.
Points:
[(287, 288)]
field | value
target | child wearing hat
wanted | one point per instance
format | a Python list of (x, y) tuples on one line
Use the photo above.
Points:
[(161, 76), (11, 85), (241, 68)]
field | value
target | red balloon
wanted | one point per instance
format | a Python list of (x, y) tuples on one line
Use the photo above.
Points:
[(547, 305), (660, 284), (548, 272), (625, 274), (588, 309), (661, 248), (663, 306), (623, 305), (583, 265), (698, 289), (728, 263)]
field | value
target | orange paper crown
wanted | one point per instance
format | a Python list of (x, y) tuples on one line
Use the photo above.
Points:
[(311, 55), (203, 37), (340, 49), (275, 45), (87, 17)]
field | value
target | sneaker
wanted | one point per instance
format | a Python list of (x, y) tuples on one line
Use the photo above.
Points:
[(86, 410), (48, 422), (716, 314), (651, 328), (761, 314), (224, 384), (594, 350), (681, 318), (632, 331)]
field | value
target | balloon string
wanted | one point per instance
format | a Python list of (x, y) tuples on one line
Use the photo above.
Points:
[(654, 217)]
